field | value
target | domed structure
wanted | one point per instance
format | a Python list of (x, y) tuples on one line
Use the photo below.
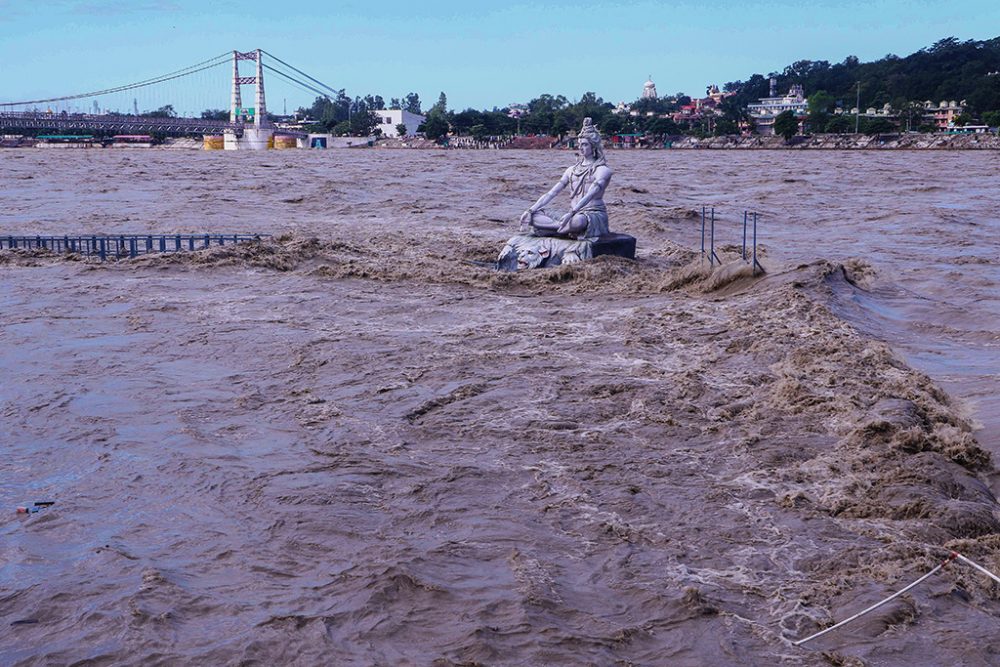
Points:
[(649, 89)]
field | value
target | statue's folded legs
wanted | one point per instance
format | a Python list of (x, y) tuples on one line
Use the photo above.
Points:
[(543, 225)]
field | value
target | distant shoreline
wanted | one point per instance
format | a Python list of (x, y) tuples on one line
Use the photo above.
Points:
[(846, 142), (733, 142), (729, 142)]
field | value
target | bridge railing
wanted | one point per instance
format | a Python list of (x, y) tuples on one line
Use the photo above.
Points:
[(62, 115), (124, 245), (127, 123), (105, 123)]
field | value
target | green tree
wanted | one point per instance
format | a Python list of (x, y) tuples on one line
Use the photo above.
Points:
[(873, 126), (364, 123), (462, 122), (786, 125), (215, 114), (613, 124), (817, 122), (498, 122), (963, 119), (442, 104), (913, 112), (821, 102), (725, 127), (401, 130), (479, 132), (562, 124), (592, 106), (662, 127), (363, 120), (992, 118), (538, 122), (375, 102), (412, 103), (327, 111), (435, 127), (840, 124), (166, 111)]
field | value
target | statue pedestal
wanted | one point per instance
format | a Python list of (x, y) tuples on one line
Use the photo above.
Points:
[(526, 251), (621, 245)]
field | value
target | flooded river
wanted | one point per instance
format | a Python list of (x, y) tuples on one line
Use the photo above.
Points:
[(348, 445)]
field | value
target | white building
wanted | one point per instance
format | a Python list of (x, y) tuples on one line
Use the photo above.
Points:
[(764, 112), (390, 118)]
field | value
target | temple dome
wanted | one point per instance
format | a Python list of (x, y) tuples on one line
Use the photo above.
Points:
[(649, 89)]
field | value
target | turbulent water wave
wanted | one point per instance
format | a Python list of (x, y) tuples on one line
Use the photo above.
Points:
[(349, 445)]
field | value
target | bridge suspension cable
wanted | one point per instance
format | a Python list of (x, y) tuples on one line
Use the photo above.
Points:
[(296, 69), (301, 85), (192, 69)]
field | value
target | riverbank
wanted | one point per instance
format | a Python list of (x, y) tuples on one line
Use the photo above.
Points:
[(846, 142), (934, 141), (910, 141)]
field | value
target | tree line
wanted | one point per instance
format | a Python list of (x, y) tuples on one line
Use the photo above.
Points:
[(949, 69)]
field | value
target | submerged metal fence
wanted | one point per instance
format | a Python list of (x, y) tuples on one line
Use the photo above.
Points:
[(123, 245), (708, 213)]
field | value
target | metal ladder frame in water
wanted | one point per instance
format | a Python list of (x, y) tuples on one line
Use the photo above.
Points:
[(755, 264), (117, 246), (712, 257)]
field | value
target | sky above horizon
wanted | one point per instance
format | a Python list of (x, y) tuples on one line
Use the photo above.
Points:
[(481, 56)]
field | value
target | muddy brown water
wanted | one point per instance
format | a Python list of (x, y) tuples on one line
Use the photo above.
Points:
[(348, 446)]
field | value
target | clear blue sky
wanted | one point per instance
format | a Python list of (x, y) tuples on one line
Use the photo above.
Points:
[(480, 54)]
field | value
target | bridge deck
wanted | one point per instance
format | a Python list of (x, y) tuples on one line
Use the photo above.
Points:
[(17, 120)]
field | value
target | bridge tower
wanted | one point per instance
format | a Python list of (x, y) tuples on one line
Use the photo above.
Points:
[(258, 135)]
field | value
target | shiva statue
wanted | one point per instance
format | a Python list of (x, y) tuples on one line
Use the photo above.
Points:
[(565, 238), (587, 180)]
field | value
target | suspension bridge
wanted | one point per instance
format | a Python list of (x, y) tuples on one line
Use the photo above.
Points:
[(246, 128)]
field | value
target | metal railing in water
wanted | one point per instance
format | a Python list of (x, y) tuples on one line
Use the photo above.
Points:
[(119, 246), (708, 213)]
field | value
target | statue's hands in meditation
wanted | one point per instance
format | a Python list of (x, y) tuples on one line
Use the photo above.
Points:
[(566, 224)]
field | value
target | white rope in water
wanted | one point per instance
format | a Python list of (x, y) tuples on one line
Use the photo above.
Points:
[(952, 556), (877, 604), (977, 566)]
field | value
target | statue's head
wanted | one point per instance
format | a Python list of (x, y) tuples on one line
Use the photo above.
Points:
[(589, 134)]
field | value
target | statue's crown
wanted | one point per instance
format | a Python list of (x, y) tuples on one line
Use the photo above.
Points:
[(589, 131)]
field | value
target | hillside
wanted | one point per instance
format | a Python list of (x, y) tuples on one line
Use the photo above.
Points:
[(948, 70)]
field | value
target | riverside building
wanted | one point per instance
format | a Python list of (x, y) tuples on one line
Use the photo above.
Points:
[(767, 109), (390, 118)]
